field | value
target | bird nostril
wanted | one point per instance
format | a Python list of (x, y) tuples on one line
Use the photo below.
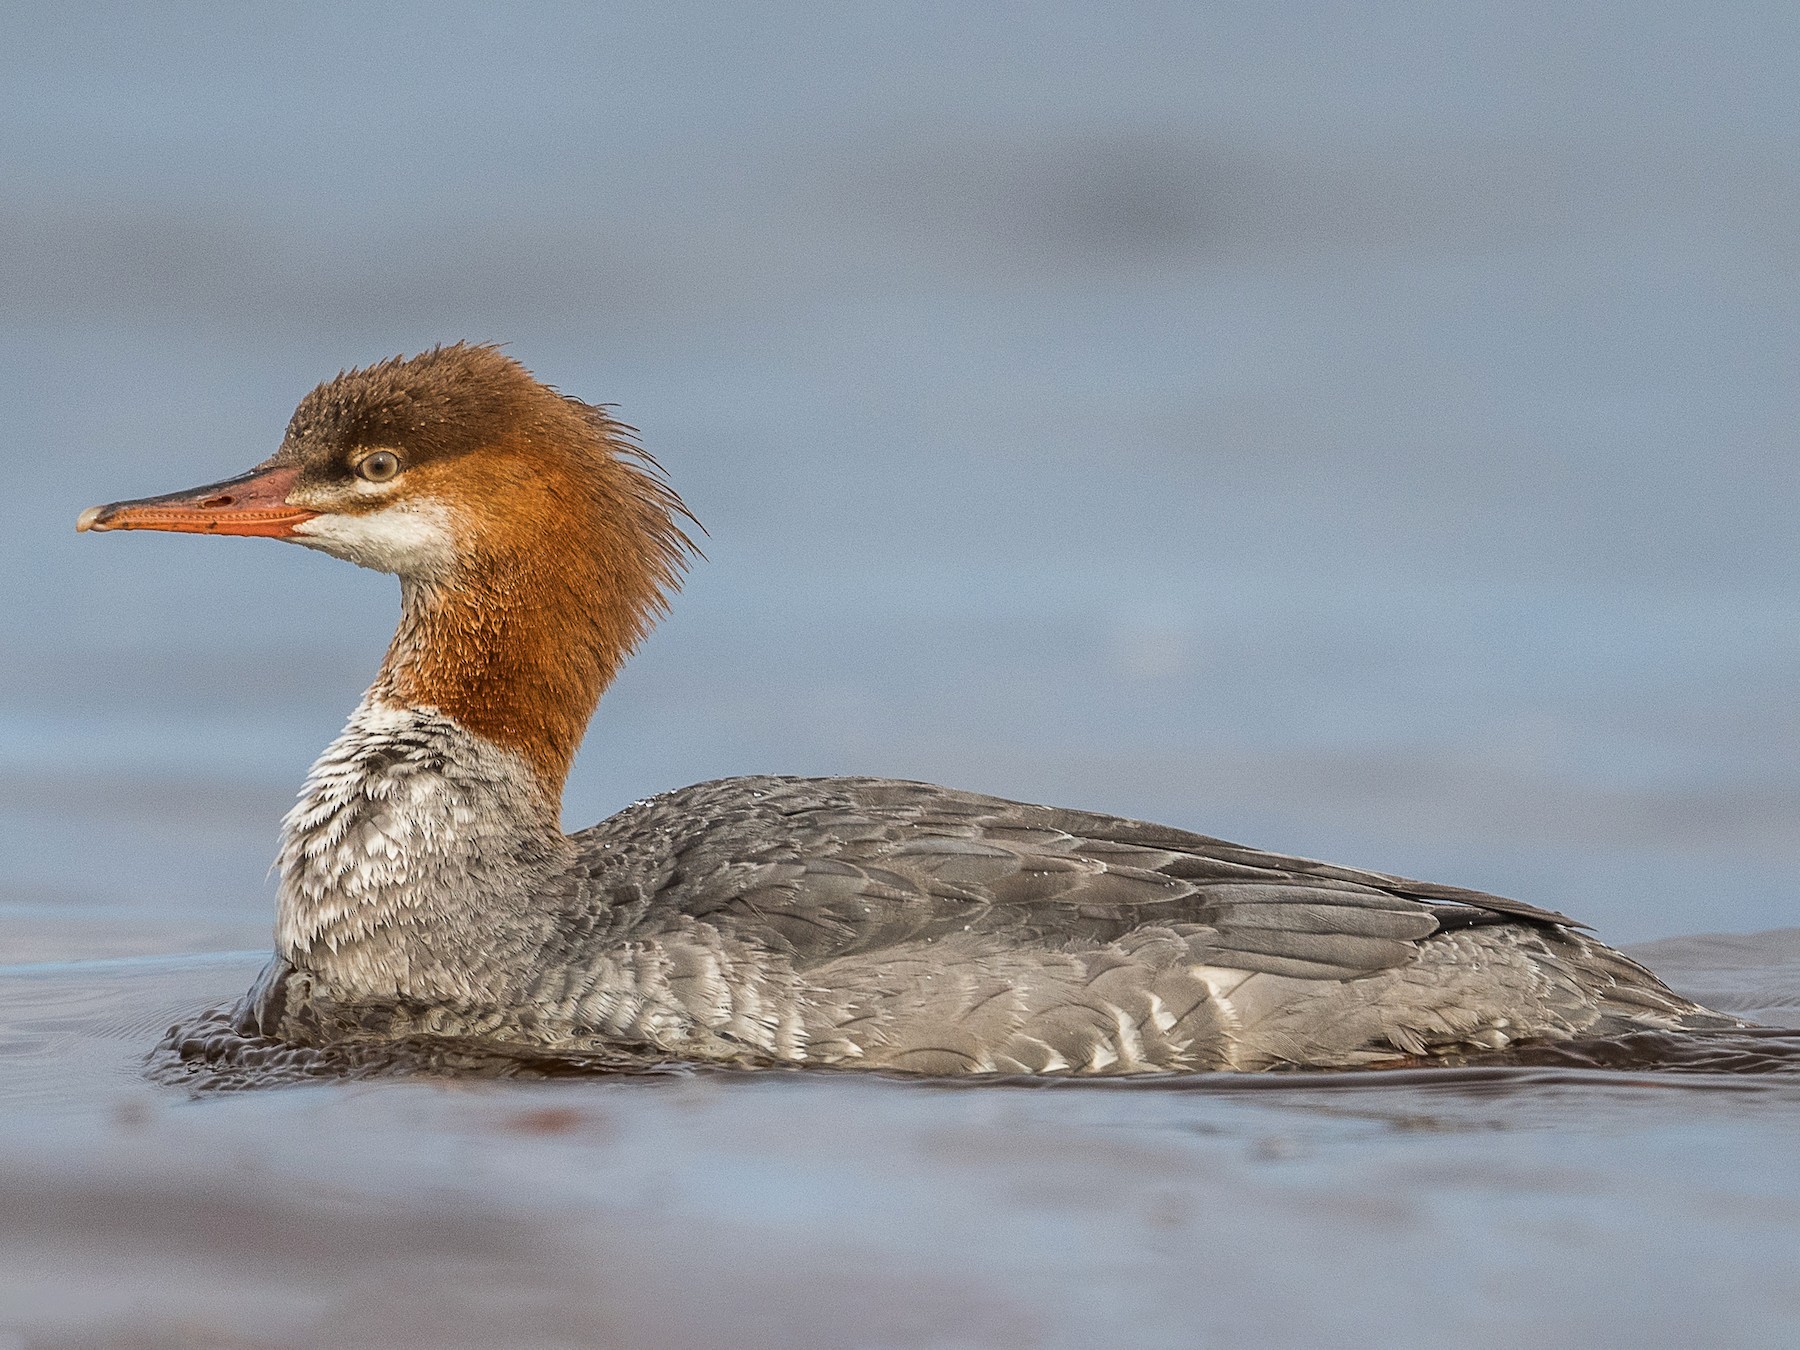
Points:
[(224, 499)]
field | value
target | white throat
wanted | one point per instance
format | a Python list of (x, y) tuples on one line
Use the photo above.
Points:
[(414, 539)]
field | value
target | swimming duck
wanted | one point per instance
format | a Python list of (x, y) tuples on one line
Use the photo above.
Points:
[(427, 888)]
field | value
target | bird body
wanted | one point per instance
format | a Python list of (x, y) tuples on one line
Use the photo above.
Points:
[(427, 889)]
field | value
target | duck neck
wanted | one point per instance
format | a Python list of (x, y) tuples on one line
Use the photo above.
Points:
[(428, 833), (516, 656)]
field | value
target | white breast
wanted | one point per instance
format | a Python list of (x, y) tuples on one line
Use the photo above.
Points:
[(412, 839)]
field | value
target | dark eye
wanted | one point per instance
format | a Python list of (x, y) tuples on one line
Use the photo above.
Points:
[(379, 467)]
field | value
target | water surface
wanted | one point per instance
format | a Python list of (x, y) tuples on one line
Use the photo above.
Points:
[(1488, 1207)]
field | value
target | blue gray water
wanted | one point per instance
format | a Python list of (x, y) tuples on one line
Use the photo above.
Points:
[(1359, 431)]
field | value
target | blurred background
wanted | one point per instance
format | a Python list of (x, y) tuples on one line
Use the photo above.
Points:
[(1363, 431)]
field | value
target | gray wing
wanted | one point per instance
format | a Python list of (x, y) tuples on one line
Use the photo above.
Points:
[(820, 869)]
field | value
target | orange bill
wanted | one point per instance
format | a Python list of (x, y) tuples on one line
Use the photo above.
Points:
[(252, 503)]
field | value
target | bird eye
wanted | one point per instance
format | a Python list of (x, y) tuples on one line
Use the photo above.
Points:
[(380, 467)]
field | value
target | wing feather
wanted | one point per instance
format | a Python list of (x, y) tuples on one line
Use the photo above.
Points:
[(825, 868)]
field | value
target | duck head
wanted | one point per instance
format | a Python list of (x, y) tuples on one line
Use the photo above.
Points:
[(535, 544)]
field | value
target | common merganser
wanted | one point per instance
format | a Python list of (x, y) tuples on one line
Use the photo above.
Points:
[(427, 888)]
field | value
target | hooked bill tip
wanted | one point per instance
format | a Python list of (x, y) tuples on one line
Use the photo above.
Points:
[(90, 519)]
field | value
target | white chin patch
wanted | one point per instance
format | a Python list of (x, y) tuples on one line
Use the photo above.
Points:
[(410, 540)]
